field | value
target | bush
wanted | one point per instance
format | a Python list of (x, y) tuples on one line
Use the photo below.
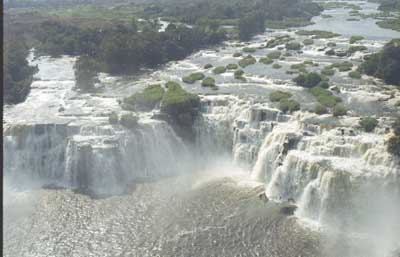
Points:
[(277, 96), (355, 75), (308, 80), (129, 120), (276, 66), (317, 33), (324, 84), (328, 71), (239, 74), (208, 66), (325, 97), (193, 77), (208, 82), (266, 60), (286, 105), (237, 54), (248, 49), (232, 66), (343, 66), (308, 41), (146, 99), (246, 61), (353, 49), (354, 39), (176, 96), (113, 118), (293, 46), (368, 123), (219, 70), (274, 55), (393, 145), (339, 110), (320, 109)]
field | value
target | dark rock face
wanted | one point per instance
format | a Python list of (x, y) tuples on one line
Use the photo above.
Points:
[(288, 210)]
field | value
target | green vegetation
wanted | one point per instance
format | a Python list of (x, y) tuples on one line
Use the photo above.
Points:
[(274, 55), (393, 143), (208, 66), (288, 23), (353, 49), (393, 24), (336, 5), (325, 97), (280, 40), (144, 100), (129, 120), (208, 82), (175, 95), (342, 66), (113, 118), (308, 41), (339, 110), (308, 80), (317, 33), (239, 74), (266, 60), (276, 66), (288, 105), (355, 74), (320, 109), (86, 73), (355, 39), (385, 64), (278, 95), (293, 46), (368, 123), (246, 61), (219, 70), (331, 44), (18, 75), (237, 54), (193, 77), (232, 66), (248, 49)]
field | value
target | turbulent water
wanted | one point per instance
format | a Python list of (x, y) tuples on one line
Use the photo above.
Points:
[(77, 186)]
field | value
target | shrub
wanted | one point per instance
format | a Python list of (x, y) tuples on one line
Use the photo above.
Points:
[(368, 123), (286, 105), (343, 66), (324, 84), (354, 39), (308, 41), (277, 96), (208, 82), (339, 110), (320, 109), (248, 49), (317, 33), (355, 75), (113, 118), (146, 99), (193, 77), (274, 55), (129, 120), (276, 66), (208, 66), (232, 66), (293, 46), (239, 74), (266, 60), (308, 80), (176, 96), (246, 61), (219, 70), (328, 71), (393, 145), (237, 54), (353, 49)]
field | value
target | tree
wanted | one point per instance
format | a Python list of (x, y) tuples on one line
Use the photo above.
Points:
[(85, 73)]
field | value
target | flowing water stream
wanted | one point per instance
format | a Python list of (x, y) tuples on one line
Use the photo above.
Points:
[(77, 186)]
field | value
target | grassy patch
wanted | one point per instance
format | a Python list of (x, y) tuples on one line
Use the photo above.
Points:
[(308, 80), (393, 24), (208, 82), (248, 50), (355, 75), (288, 105), (146, 99), (219, 70), (278, 95), (208, 66), (176, 95), (232, 66), (266, 60), (320, 109), (308, 41), (246, 61), (274, 55), (276, 66), (287, 23), (355, 39), (193, 77), (293, 46), (339, 110), (368, 123), (353, 49), (317, 33)]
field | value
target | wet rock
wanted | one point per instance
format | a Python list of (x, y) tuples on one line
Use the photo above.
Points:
[(263, 197), (288, 209)]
